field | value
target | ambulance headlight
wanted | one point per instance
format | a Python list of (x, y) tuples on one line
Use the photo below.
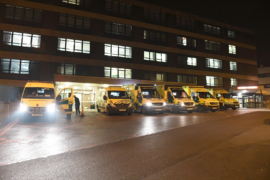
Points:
[(194, 104), (23, 107), (51, 107), (148, 104), (164, 104), (182, 104)]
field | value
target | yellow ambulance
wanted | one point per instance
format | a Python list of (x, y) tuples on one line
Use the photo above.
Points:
[(228, 102), (145, 98), (202, 98), (176, 98), (39, 100), (114, 100)]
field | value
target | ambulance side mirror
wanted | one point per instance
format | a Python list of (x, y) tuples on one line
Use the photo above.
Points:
[(130, 97), (105, 98)]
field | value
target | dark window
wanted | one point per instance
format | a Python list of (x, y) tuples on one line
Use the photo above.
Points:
[(154, 36), (267, 86), (231, 34), (154, 15), (155, 76), (119, 29), (77, 22), (212, 46), (116, 7), (16, 66), (21, 13), (185, 23), (66, 69), (211, 29), (187, 79), (85, 3), (184, 41)]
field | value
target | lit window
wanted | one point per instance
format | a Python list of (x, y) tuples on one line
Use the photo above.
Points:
[(72, 45), (75, 2), (120, 73), (231, 34), (214, 81), (233, 82), (119, 29), (153, 56), (159, 77), (191, 61), (16, 66), (233, 66), (213, 63), (232, 49), (117, 51), (21, 39)]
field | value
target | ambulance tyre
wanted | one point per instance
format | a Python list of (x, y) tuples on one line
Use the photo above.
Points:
[(234, 108), (144, 111), (213, 110), (200, 109), (68, 116), (189, 111), (108, 112), (129, 113), (175, 110)]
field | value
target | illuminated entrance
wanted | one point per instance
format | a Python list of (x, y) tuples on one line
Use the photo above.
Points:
[(248, 96)]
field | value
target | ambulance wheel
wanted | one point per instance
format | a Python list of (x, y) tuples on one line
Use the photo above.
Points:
[(144, 111), (175, 110), (234, 108), (189, 111), (200, 109), (108, 112), (130, 113), (68, 116), (98, 110)]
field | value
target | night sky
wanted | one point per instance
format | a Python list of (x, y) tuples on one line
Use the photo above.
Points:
[(249, 14)]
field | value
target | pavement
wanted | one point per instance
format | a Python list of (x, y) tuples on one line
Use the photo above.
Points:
[(221, 145)]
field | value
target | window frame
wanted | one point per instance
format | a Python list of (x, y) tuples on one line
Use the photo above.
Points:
[(67, 17), (185, 22), (231, 49), (118, 7), (214, 61), (31, 63), (12, 38), (214, 81), (110, 69), (155, 56), (35, 14), (212, 29), (232, 64), (212, 46), (113, 47), (183, 78), (154, 15), (154, 39), (233, 82), (74, 49), (111, 30)]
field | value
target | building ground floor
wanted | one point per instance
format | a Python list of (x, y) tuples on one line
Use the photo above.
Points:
[(86, 88)]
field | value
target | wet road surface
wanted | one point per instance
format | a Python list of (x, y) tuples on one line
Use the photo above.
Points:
[(167, 146)]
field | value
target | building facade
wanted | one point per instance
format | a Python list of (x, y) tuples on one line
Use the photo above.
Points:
[(120, 42)]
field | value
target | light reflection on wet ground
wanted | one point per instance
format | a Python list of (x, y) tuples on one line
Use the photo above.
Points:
[(35, 138)]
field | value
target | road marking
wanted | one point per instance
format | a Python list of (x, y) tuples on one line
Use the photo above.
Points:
[(9, 126)]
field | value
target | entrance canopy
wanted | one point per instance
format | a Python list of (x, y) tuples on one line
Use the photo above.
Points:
[(246, 90)]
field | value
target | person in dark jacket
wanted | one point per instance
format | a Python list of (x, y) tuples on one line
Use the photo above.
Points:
[(77, 105)]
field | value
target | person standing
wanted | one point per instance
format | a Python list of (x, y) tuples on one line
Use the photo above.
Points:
[(221, 102), (77, 105)]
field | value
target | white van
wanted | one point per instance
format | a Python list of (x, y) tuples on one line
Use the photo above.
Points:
[(38, 99)]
